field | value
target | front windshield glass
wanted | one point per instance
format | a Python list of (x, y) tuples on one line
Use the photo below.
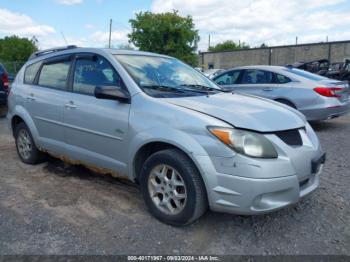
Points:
[(305, 74), (166, 77)]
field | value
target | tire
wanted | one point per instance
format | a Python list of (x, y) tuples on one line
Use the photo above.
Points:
[(25, 142), (186, 210), (3, 110), (286, 102)]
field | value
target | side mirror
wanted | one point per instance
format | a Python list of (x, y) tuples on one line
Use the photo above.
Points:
[(112, 93)]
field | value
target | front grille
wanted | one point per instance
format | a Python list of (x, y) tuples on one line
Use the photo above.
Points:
[(290, 137)]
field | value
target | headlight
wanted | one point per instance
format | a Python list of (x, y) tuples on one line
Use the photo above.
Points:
[(245, 142)]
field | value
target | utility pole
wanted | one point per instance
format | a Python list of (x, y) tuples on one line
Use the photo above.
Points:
[(296, 40), (110, 33), (209, 42)]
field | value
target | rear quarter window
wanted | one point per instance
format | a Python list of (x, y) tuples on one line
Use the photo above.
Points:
[(281, 79), (30, 73)]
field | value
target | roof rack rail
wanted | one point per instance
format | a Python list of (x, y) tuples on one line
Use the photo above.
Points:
[(51, 50)]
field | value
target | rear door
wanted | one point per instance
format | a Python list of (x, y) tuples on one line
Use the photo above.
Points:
[(95, 129), (45, 99), (256, 82)]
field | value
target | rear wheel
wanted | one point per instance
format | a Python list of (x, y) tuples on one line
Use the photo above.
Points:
[(26, 149), (172, 188)]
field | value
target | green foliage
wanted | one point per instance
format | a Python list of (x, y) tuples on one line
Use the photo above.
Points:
[(228, 45), (14, 48), (166, 33), (263, 45), (125, 47)]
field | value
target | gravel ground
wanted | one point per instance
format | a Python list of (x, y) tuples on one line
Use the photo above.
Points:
[(55, 208)]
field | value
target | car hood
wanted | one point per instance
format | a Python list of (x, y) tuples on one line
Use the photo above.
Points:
[(243, 111)]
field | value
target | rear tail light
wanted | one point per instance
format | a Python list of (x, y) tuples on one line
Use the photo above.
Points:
[(329, 91), (5, 81)]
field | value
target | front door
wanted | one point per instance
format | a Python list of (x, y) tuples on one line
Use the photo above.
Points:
[(96, 129)]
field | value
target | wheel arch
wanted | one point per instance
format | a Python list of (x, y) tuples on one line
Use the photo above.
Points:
[(21, 115), (142, 147), (288, 101)]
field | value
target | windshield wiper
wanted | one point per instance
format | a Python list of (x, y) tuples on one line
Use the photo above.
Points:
[(164, 88), (201, 88)]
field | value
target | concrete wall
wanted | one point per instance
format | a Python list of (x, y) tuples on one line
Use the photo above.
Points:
[(279, 55)]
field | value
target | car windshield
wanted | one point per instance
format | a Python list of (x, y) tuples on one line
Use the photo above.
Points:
[(305, 74), (166, 77)]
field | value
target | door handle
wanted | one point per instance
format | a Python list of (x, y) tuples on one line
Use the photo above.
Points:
[(31, 97), (267, 89), (71, 105)]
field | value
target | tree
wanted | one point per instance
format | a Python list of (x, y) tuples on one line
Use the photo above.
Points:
[(166, 33), (263, 45), (125, 47), (14, 48), (228, 45)]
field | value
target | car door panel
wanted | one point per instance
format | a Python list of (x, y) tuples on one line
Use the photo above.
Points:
[(44, 94), (95, 129)]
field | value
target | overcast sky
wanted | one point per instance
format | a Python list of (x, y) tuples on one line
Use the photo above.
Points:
[(86, 22)]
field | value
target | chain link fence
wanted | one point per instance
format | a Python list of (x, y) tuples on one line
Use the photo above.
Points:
[(12, 67)]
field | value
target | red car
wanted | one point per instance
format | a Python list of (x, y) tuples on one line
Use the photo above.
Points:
[(4, 85)]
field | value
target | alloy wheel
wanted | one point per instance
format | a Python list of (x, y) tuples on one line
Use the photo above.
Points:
[(167, 189), (24, 144)]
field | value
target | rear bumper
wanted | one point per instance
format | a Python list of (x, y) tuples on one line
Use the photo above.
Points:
[(326, 113)]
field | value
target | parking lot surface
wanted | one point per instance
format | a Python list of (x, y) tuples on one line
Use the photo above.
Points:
[(56, 208)]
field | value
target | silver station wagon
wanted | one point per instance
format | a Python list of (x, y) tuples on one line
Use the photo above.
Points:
[(151, 118)]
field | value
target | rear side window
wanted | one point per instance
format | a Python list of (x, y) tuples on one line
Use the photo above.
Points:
[(90, 73), (253, 76), (228, 78), (30, 73), (54, 75), (281, 79)]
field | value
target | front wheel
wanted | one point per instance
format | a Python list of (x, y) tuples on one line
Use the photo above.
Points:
[(172, 188)]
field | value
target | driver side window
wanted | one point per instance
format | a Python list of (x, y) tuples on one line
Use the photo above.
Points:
[(89, 73), (229, 78)]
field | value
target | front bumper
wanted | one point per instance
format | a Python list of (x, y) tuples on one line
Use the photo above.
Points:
[(249, 196), (242, 185)]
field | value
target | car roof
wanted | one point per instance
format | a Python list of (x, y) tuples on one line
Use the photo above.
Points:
[(262, 67), (43, 54)]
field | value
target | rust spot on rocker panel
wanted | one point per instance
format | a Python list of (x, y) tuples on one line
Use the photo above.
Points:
[(95, 169)]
